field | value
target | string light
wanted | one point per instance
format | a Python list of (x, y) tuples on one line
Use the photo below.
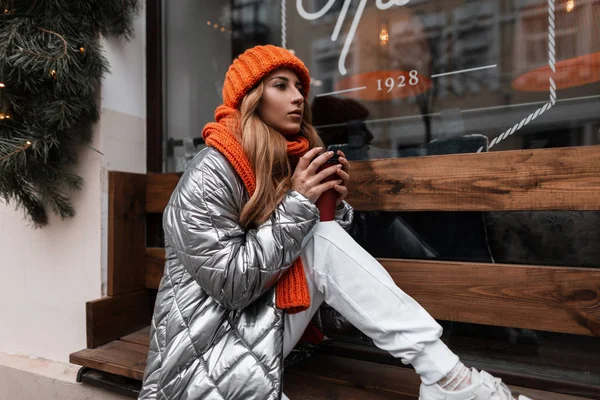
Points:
[(2, 85), (222, 28), (82, 49)]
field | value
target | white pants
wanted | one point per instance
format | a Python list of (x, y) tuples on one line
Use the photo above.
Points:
[(341, 273)]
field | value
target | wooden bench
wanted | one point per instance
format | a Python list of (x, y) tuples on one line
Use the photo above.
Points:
[(545, 298)]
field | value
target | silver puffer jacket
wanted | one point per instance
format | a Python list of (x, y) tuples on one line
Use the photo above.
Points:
[(216, 333)]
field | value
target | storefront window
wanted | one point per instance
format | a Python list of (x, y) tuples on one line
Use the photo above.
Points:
[(424, 77), (407, 78), (412, 78)]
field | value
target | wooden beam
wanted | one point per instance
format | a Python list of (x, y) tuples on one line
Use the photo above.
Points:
[(109, 318), (155, 263), (158, 190), (557, 299), (542, 179), (126, 232), (141, 337), (117, 357), (546, 365), (336, 377)]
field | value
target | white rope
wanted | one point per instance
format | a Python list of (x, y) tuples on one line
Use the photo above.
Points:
[(552, 100), (283, 24)]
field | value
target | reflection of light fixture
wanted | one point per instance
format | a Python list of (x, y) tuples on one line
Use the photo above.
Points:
[(577, 44), (401, 70), (384, 36), (570, 5), (208, 23)]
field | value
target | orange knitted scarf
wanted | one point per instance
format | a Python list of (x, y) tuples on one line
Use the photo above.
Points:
[(292, 289)]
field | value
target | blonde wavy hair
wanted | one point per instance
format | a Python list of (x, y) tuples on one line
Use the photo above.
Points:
[(266, 150)]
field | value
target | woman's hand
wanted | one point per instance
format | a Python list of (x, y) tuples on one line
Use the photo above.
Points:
[(307, 181), (344, 175)]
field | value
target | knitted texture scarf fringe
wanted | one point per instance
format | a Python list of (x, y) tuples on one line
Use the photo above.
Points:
[(292, 289)]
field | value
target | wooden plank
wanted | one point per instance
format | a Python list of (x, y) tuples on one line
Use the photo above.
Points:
[(502, 360), (116, 357), (155, 263), (557, 299), (109, 318), (542, 179), (126, 232), (158, 190), (388, 380), (297, 387), (540, 394), (370, 380), (330, 378), (141, 337)]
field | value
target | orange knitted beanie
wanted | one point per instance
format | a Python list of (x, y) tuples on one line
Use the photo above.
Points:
[(252, 65), (245, 72)]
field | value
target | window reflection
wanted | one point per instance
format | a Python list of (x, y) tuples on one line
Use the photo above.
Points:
[(429, 77), (426, 71)]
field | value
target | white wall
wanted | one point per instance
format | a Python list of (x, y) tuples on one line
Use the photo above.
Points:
[(47, 275)]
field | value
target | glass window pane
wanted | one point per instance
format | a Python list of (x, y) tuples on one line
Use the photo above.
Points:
[(494, 71), (412, 78)]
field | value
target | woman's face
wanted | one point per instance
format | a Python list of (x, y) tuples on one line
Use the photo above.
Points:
[(282, 103)]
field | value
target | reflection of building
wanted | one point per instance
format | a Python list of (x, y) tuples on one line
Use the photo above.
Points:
[(325, 55), (476, 38), (577, 39), (431, 36), (437, 37)]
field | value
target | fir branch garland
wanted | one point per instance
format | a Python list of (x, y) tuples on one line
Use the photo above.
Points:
[(51, 67)]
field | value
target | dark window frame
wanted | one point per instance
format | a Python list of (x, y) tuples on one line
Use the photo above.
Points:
[(154, 87)]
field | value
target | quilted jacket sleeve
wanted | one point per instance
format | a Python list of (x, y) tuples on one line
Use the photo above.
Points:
[(232, 265)]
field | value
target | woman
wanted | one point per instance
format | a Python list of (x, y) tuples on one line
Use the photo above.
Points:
[(248, 263)]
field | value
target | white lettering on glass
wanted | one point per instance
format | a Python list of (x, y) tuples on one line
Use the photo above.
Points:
[(381, 4), (390, 83)]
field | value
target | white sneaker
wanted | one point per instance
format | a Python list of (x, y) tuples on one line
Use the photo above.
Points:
[(483, 387)]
